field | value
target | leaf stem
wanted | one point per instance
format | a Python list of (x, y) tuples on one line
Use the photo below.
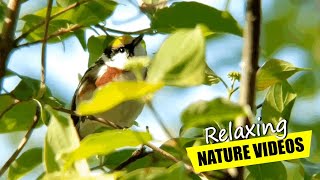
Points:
[(22, 143)]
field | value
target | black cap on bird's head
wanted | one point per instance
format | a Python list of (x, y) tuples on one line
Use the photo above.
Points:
[(122, 43), (121, 49)]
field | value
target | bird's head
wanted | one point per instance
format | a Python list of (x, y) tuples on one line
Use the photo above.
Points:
[(121, 49)]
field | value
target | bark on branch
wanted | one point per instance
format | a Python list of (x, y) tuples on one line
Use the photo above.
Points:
[(249, 63), (250, 56), (7, 36)]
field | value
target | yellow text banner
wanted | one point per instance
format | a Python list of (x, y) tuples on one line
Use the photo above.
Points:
[(249, 152)]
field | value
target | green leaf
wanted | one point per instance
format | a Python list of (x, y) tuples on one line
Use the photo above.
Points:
[(278, 103), (207, 112), (190, 14), (180, 60), (176, 171), (89, 13), (5, 102), (76, 176), (275, 170), (116, 93), (308, 80), (61, 138), (27, 88), (65, 3), (211, 77), (96, 144), (274, 71), (81, 35), (96, 46), (18, 118), (25, 163), (93, 12), (56, 24)]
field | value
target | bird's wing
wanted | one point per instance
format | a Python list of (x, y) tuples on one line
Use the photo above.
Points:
[(87, 83)]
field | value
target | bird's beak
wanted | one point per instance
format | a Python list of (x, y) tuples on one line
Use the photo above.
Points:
[(137, 40)]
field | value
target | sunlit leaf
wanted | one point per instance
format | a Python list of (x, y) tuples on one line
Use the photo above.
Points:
[(116, 93), (18, 118), (65, 3), (96, 144), (25, 163), (176, 171), (96, 46), (274, 71), (180, 60), (278, 103), (274, 170), (75, 176), (61, 138), (206, 112), (190, 14)]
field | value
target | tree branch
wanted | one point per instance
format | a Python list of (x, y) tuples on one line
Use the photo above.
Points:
[(249, 61), (22, 143), (60, 32), (6, 39), (72, 6)]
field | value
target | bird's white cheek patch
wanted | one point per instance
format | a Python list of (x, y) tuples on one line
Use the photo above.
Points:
[(118, 61)]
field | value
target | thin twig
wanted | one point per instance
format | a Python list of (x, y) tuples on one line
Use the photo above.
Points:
[(224, 83), (22, 143), (68, 111), (259, 106), (44, 49), (172, 158), (138, 154), (104, 121), (9, 107), (159, 119), (72, 6), (142, 31), (60, 32), (94, 118), (102, 29)]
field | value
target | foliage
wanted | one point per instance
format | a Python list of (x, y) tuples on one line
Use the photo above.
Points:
[(180, 62)]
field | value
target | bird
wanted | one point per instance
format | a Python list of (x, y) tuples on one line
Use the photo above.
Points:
[(110, 67)]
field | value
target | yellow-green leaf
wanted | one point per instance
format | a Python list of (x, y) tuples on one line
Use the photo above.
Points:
[(180, 60), (115, 93), (274, 71), (104, 143)]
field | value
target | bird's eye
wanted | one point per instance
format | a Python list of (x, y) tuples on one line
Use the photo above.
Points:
[(121, 50)]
